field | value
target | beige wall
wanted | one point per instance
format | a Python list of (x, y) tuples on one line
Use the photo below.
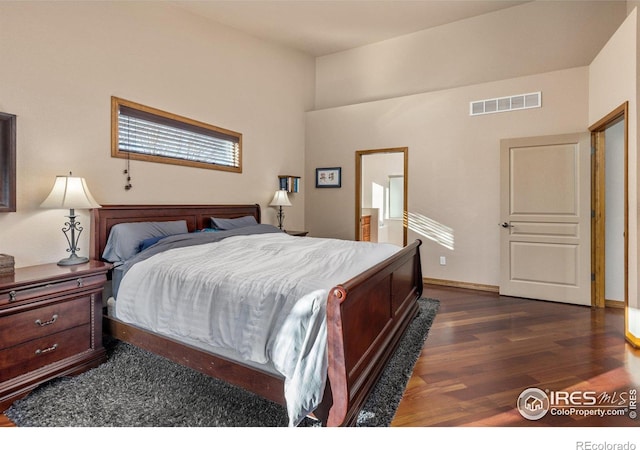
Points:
[(505, 44), (612, 81), (453, 158), (453, 162), (62, 61)]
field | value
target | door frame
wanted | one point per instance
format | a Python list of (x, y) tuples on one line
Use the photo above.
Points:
[(598, 203), (359, 155)]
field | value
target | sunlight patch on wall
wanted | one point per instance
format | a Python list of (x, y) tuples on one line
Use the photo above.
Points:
[(431, 229)]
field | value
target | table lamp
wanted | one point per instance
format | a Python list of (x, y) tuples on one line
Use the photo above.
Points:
[(72, 193), (280, 199)]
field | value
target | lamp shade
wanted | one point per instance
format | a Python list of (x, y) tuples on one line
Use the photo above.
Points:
[(69, 192), (280, 199)]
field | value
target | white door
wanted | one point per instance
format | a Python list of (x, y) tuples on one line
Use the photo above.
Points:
[(545, 220)]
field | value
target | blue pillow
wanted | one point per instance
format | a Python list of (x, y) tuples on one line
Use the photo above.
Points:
[(125, 239), (149, 242), (230, 224)]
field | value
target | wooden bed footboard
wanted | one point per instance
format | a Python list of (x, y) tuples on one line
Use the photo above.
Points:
[(366, 318)]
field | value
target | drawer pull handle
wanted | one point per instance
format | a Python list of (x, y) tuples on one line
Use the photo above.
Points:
[(46, 350), (48, 322), (79, 281), (12, 296)]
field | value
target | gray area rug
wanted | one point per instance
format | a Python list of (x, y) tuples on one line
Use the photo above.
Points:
[(135, 388)]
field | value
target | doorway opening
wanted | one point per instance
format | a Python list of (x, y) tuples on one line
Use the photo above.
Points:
[(381, 195), (610, 211)]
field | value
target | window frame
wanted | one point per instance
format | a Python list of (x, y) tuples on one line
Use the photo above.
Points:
[(176, 121)]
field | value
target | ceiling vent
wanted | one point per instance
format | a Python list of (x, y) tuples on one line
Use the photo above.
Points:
[(504, 104)]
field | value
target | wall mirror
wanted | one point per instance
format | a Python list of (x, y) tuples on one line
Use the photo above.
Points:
[(7, 162)]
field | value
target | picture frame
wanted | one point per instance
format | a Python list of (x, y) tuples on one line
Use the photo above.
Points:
[(7, 162), (329, 177)]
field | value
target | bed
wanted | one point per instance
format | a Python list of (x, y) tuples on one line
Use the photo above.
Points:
[(364, 316)]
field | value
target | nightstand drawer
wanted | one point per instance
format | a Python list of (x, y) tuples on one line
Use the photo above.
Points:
[(39, 322), (38, 353), (50, 324), (52, 288)]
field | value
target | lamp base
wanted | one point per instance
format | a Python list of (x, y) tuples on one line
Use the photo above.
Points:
[(73, 260)]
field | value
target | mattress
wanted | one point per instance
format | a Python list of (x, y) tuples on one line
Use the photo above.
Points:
[(256, 298)]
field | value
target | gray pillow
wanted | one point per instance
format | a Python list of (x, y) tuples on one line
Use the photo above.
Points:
[(125, 238), (230, 224)]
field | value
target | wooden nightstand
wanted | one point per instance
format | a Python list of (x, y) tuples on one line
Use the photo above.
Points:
[(50, 325), (296, 233)]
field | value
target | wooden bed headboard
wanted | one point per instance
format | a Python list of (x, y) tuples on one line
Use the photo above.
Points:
[(197, 217)]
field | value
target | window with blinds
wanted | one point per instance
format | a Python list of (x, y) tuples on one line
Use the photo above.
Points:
[(143, 133)]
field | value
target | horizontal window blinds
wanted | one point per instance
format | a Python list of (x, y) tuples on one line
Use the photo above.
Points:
[(153, 135)]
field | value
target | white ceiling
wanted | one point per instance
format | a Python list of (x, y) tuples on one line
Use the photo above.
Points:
[(321, 27)]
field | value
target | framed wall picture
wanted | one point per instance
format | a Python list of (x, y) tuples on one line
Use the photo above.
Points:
[(7, 162), (329, 177)]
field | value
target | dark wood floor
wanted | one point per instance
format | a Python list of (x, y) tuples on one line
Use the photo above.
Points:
[(483, 350)]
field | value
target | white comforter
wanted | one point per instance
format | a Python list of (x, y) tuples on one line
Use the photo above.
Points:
[(261, 298)]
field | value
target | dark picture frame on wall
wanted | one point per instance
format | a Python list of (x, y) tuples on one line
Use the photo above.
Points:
[(329, 177), (7, 162)]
